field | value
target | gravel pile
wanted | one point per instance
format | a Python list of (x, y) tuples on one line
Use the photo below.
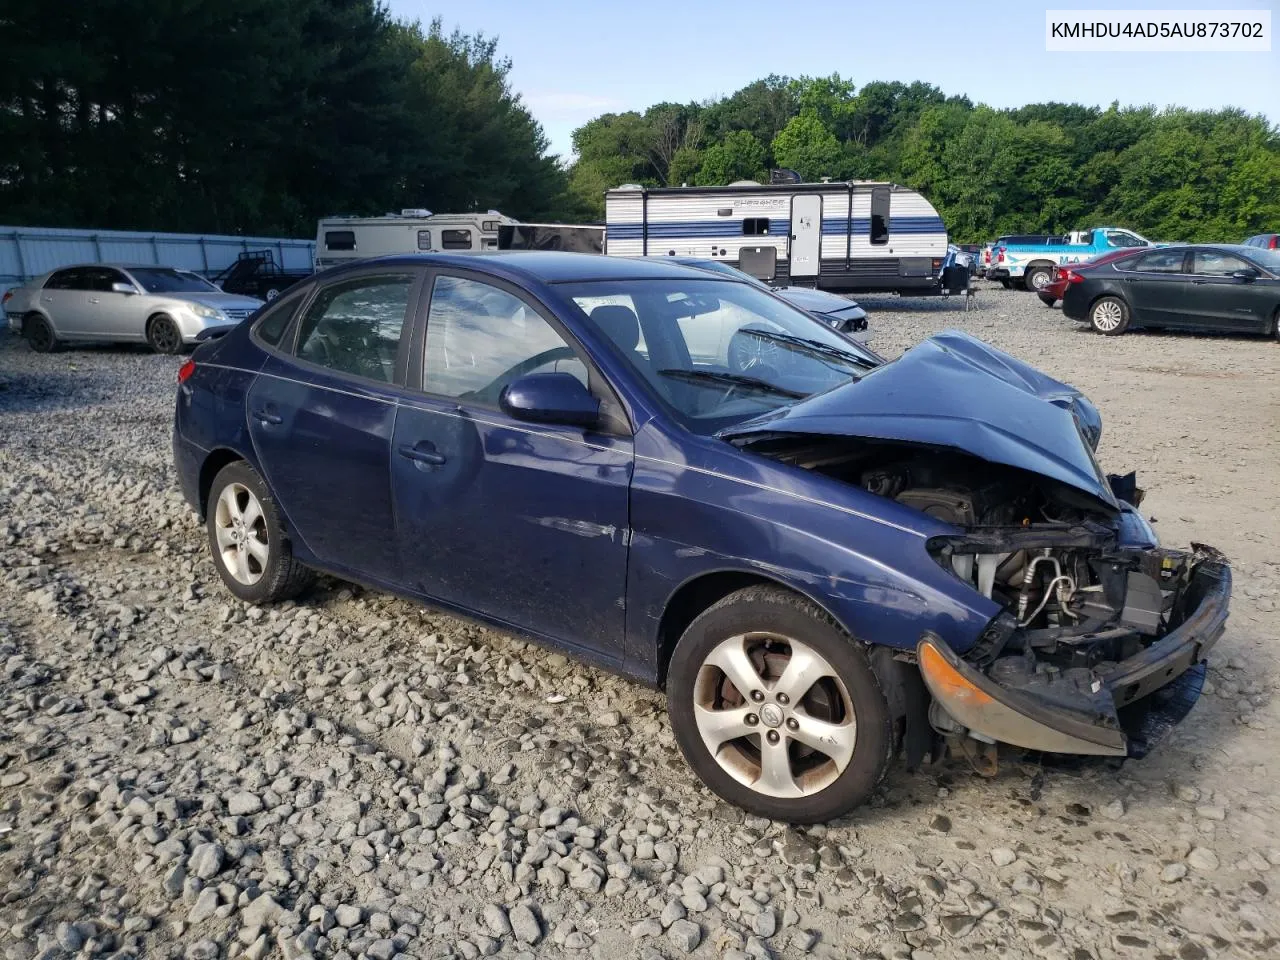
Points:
[(354, 776)]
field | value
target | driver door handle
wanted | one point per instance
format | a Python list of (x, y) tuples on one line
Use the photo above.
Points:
[(422, 453)]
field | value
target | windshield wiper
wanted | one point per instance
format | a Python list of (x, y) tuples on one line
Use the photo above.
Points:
[(732, 379), (805, 345)]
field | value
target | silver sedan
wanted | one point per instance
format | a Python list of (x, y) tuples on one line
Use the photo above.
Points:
[(162, 306)]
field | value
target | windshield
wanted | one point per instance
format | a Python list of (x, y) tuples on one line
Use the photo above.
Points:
[(160, 280), (718, 352), (1269, 259)]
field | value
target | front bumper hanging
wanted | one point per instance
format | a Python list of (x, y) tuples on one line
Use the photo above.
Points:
[(1145, 694)]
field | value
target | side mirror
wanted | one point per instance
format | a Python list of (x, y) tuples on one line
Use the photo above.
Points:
[(123, 288), (550, 398), (1245, 276)]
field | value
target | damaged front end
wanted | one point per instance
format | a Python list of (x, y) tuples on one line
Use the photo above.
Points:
[(1100, 649), (1100, 642)]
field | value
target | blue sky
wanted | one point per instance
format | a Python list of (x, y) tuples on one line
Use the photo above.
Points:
[(573, 60)]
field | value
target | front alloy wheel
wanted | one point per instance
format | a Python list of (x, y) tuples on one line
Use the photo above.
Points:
[(777, 709)]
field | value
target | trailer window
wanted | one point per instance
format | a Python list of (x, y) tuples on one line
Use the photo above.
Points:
[(455, 239), (880, 215), (340, 240), (489, 226), (424, 239), (755, 227)]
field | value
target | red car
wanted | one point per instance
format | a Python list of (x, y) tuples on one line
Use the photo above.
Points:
[(1053, 291)]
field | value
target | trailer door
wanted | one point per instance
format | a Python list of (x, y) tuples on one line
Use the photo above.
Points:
[(806, 235)]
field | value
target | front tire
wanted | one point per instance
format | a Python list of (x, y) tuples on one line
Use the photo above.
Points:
[(1109, 316), (247, 540), (38, 333), (777, 709), (163, 336)]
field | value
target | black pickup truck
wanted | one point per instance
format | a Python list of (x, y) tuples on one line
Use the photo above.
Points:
[(255, 273)]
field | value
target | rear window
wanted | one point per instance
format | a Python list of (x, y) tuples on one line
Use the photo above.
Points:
[(340, 240)]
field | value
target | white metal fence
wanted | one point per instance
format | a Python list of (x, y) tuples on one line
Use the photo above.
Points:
[(27, 252)]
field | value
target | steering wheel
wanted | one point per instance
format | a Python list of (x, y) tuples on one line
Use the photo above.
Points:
[(495, 387), (747, 354)]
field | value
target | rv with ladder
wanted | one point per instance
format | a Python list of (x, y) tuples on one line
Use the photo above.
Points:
[(852, 236)]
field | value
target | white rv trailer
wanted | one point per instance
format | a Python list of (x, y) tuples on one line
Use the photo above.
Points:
[(845, 237), (341, 239)]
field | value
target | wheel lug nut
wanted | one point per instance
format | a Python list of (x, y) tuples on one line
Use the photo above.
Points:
[(752, 719), (783, 698), (792, 724), (772, 736), (757, 696)]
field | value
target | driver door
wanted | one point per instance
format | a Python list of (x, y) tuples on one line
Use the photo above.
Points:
[(523, 523)]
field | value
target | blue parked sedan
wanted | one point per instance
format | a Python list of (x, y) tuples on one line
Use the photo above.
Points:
[(825, 560)]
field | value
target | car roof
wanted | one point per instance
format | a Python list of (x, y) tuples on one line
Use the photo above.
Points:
[(549, 266), (121, 266)]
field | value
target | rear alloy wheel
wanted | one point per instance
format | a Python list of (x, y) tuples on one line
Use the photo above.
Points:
[(1109, 315), (777, 709), (1047, 300), (163, 335), (38, 333), (1037, 278), (248, 541)]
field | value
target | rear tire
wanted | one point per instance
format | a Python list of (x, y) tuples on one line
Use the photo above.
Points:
[(1047, 300), (1037, 278), (163, 335), (810, 739), (247, 540), (38, 333), (1109, 316)]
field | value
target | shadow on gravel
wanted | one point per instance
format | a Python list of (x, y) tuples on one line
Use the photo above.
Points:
[(46, 391)]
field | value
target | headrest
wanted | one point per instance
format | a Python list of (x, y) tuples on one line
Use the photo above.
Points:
[(619, 324)]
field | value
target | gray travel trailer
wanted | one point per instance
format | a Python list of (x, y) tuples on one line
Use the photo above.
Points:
[(845, 237)]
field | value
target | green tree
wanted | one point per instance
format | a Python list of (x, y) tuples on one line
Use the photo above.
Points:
[(808, 147), (739, 156)]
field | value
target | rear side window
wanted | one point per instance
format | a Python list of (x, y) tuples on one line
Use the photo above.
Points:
[(1159, 261), (77, 278), (354, 326), (340, 240), (275, 321), (880, 215), (455, 239)]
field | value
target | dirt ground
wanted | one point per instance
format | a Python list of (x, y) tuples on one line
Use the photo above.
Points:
[(352, 775)]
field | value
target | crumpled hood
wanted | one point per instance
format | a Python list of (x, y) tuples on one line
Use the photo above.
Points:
[(955, 391)]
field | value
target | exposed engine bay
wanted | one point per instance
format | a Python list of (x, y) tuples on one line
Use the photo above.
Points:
[(1078, 605)]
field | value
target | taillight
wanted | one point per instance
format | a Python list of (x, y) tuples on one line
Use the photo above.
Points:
[(999, 254), (1274, 245), (186, 370), (1071, 276), (8, 294)]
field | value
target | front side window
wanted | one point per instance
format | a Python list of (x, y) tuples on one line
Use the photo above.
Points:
[(340, 239), (1160, 261), (480, 338), (880, 215), (161, 280), (1216, 263), (354, 326), (718, 352), (455, 239)]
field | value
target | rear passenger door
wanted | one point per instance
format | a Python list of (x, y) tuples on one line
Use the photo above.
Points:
[(65, 300), (321, 413), (1155, 285)]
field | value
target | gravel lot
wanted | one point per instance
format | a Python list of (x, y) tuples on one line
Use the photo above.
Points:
[(356, 776)]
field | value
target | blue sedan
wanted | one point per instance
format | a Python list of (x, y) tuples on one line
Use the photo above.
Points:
[(824, 559)]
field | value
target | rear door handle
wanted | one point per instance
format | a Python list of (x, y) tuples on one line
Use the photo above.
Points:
[(94, 300), (422, 453), (268, 417)]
